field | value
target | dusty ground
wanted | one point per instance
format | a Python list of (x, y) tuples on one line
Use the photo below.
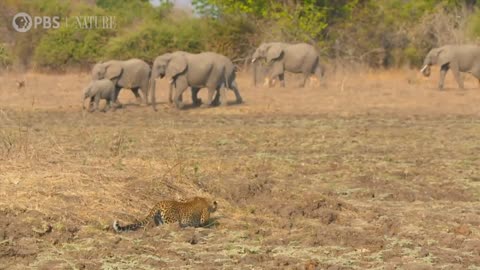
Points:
[(370, 170)]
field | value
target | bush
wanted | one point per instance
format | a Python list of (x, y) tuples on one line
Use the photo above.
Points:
[(5, 57), (70, 46), (474, 26), (154, 38), (380, 33), (232, 36)]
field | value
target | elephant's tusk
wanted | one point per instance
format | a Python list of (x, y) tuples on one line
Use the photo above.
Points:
[(254, 59), (423, 69)]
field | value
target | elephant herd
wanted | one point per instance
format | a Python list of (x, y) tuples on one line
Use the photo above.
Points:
[(208, 70), (217, 73)]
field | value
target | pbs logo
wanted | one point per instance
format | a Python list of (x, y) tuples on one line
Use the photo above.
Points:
[(22, 22)]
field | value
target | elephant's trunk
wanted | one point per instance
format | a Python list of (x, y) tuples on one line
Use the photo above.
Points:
[(152, 91), (85, 95), (83, 101), (425, 70)]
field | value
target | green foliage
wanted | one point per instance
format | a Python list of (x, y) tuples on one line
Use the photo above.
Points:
[(414, 55), (155, 38), (376, 32), (474, 26), (70, 45), (230, 36), (304, 21), (5, 57), (260, 8), (127, 11)]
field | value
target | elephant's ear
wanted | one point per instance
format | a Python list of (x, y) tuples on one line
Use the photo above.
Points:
[(113, 71), (443, 56), (176, 66), (274, 52)]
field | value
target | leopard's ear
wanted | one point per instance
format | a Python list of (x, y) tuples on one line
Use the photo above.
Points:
[(214, 208)]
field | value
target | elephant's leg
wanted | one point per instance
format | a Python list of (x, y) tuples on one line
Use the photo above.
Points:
[(145, 87), (281, 78), (90, 104), (112, 105), (137, 95), (216, 100), (458, 77), (222, 92), (95, 103), (305, 78), (178, 95), (237, 93), (170, 93), (219, 100), (107, 106), (117, 92), (195, 100), (319, 72), (443, 72), (270, 80), (277, 71), (211, 91)]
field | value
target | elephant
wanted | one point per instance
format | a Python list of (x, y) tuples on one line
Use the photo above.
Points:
[(458, 58), (211, 70), (131, 74), (99, 89), (295, 58)]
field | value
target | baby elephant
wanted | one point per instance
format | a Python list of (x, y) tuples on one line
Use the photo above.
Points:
[(96, 90)]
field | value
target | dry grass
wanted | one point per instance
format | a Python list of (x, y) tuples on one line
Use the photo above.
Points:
[(369, 170)]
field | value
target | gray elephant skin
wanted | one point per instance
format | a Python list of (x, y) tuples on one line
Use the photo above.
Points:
[(457, 58), (97, 90), (295, 58), (133, 74), (211, 70)]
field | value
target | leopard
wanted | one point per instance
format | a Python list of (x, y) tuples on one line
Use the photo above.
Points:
[(194, 213)]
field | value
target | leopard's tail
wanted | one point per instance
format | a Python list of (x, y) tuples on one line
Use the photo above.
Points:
[(142, 223), (130, 227)]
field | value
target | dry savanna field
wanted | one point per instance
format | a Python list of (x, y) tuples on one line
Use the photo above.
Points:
[(375, 170)]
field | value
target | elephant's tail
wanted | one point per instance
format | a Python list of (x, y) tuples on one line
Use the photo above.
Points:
[(319, 69), (228, 77)]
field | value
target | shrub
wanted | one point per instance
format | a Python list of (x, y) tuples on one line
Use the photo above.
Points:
[(5, 57), (232, 36), (69, 45), (474, 26), (154, 38)]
